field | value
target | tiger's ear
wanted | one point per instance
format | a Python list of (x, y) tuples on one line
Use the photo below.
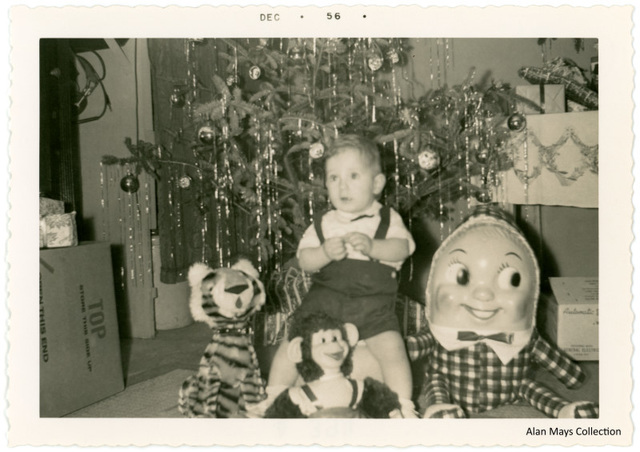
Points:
[(352, 334), (294, 349), (259, 294)]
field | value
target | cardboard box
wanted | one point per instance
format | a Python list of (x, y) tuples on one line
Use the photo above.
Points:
[(546, 99), (571, 316), (79, 341)]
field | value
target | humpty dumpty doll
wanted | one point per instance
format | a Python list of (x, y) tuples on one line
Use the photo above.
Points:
[(481, 340)]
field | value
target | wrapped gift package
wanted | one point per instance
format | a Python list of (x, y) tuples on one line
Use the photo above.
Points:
[(569, 316), (547, 99), (555, 161), (58, 230), (50, 207), (79, 341)]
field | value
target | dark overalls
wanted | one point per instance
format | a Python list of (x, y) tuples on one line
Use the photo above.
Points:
[(356, 291)]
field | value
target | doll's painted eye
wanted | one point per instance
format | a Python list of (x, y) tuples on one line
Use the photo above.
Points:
[(458, 273), (508, 278)]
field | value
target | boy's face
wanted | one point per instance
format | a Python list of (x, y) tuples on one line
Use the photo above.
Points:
[(352, 183), (483, 280)]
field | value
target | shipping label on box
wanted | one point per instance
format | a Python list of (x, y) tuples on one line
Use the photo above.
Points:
[(79, 340), (541, 99), (573, 316)]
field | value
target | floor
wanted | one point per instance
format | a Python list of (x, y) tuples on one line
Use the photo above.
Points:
[(180, 348)]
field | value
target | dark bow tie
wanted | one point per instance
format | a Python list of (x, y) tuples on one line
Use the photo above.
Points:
[(361, 217), (472, 336)]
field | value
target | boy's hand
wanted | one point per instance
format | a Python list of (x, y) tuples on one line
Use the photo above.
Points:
[(360, 242), (335, 248)]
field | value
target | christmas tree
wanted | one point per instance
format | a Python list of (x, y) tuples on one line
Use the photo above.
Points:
[(258, 127)]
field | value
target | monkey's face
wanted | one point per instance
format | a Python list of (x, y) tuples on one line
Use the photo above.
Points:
[(329, 349)]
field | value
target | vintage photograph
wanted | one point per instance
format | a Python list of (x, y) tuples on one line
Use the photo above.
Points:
[(343, 226)]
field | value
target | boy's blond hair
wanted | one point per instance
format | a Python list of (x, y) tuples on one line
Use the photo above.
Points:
[(366, 147)]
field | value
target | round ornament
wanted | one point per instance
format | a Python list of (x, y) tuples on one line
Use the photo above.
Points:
[(516, 122), (482, 155), (483, 195), (428, 159), (177, 97), (393, 56), (206, 134), (255, 72), (375, 62), (130, 183), (296, 53), (316, 150), (184, 182)]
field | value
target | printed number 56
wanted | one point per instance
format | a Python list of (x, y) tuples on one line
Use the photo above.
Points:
[(335, 16)]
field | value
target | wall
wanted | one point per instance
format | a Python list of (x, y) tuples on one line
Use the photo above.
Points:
[(106, 135), (451, 61)]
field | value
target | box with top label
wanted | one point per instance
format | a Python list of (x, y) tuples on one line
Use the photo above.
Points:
[(79, 341)]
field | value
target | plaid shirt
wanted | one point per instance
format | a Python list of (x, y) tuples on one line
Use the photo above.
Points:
[(475, 379)]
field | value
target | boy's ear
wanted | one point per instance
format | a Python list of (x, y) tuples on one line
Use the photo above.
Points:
[(379, 182)]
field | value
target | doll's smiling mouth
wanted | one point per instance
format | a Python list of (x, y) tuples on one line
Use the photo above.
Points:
[(337, 355), (482, 314)]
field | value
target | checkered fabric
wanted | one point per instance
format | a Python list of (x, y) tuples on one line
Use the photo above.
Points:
[(541, 398), (587, 410), (477, 380)]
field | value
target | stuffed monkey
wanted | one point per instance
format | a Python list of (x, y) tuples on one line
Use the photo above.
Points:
[(322, 347)]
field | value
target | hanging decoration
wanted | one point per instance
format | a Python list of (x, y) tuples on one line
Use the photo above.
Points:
[(483, 195), (130, 183), (517, 122), (393, 56), (206, 133), (375, 62), (316, 150), (232, 80), (482, 155), (185, 182), (428, 159), (255, 72), (178, 97)]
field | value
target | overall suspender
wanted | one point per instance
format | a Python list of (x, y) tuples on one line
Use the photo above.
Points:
[(312, 397)]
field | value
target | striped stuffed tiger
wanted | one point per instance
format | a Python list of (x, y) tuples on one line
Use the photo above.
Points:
[(229, 375)]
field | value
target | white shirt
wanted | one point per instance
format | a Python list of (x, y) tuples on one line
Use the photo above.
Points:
[(337, 224)]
